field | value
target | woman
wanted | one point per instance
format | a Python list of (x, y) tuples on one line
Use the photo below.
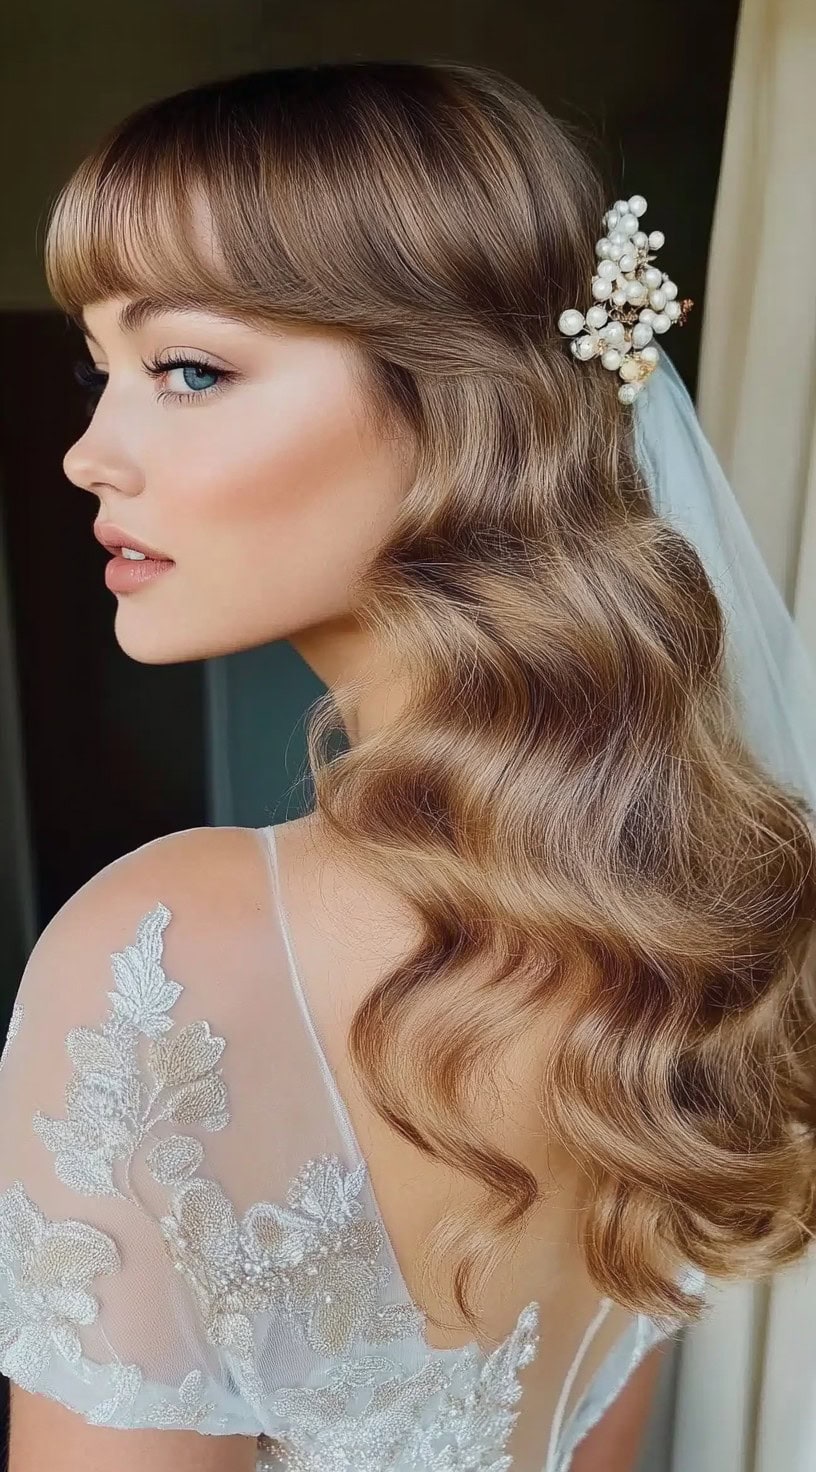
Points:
[(394, 1137)]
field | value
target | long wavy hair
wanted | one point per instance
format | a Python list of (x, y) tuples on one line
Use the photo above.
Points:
[(566, 795)]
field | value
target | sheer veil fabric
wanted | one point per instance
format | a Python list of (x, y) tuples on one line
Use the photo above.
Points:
[(771, 673)]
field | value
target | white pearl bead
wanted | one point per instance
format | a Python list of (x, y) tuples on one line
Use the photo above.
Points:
[(628, 392), (571, 321), (661, 323), (611, 220), (622, 206), (641, 334), (651, 355), (614, 335), (619, 297), (670, 288), (597, 316), (628, 223), (657, 299), (585, 348), (640, 239), (618, 237), (647, 315), (635, 292), (638, 205), (657, 239), (615, 250), (601, 290), (602, 247), (611, 359), (608, 269), (628, 261), (629, 370), (674, 310), (652, 277)]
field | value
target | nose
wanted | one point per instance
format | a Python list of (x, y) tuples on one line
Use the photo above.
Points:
[(89, 466)]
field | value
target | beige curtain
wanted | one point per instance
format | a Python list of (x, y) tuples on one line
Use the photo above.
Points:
[(747, 1376)]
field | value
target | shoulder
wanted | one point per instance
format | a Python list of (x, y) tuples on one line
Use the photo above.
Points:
[(187, 895), (167, 952), (203, 865), (126, 1084)]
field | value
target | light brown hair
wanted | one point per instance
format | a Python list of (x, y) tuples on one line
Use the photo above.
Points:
[(567, 794)]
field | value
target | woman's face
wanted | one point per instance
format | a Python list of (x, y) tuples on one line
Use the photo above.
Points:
[(259, 476)]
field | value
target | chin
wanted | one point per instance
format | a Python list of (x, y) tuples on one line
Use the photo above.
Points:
[(148, 642), (151, 639), (156, 653)]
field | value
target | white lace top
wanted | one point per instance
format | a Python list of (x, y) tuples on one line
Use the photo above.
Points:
[(156, 1272)]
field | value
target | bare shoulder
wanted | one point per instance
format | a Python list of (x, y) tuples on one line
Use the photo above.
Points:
[(213, 880)]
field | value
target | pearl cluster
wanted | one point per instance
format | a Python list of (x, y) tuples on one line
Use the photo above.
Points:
[(633, 300)]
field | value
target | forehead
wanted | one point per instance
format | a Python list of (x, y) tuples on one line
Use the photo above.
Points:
[(134, 314)]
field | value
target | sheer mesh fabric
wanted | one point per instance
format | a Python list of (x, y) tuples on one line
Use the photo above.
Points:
[(189, 1236)]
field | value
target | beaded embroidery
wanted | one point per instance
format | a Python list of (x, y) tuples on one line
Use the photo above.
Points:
[(440, 1418)]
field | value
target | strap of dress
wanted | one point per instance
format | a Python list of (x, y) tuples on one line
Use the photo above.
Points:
[(558, 1417), (267, 839)]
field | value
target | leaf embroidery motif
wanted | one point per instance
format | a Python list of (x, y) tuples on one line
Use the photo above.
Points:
[(109, 1106), (144, 995), (191, 1052), (174, 1159), (190, 1409)]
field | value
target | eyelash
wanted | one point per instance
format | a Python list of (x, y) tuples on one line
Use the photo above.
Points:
[(91, 378)]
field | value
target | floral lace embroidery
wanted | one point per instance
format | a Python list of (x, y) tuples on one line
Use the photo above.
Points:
[(47, 1270), (316, 1260), (109, 1107), (440, 1418)]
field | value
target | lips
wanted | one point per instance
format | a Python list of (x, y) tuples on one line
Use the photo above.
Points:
[(114, 538)]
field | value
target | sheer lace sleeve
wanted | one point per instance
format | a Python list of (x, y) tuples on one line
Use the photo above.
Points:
[(161, 1228), (188, 1234)]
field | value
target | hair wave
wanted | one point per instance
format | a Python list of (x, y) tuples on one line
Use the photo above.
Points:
[(567, 794)]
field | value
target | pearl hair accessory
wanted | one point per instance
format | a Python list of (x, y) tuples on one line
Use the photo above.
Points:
[(633, 300)]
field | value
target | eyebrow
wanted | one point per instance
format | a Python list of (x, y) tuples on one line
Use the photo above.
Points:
[(134, 315)]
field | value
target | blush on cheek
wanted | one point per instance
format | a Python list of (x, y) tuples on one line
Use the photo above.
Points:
[(314, 491), (286, 494)]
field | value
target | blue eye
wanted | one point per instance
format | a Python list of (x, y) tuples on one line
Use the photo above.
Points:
[(94, 380), (198, 371)]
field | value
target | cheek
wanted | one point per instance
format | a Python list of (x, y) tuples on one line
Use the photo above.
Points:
[(283, 509)]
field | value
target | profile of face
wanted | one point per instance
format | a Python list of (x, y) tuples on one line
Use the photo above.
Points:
[(254, 466)]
